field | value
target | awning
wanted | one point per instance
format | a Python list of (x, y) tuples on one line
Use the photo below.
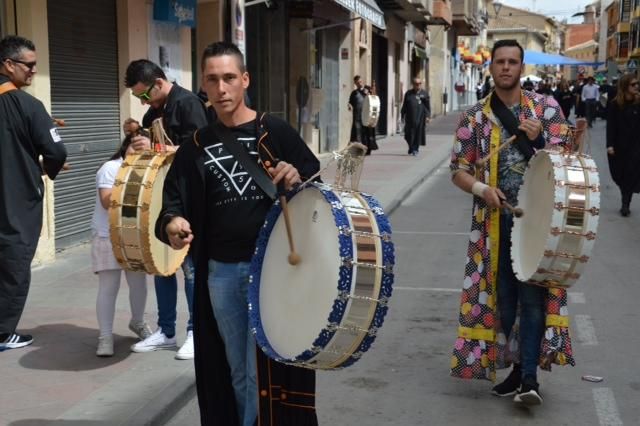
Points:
[(367, 9), (532, 57), (420, 52), (181, 12)]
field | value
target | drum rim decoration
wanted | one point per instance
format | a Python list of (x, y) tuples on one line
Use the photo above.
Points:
[(344, 286), (559, 162)]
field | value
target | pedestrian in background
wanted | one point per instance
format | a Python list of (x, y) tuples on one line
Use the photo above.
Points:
[(356, 98), (182, 113), (369, 133), (564, 97), (416, 112), (623, 139), (105, 264), (590, 97), (27, 132)]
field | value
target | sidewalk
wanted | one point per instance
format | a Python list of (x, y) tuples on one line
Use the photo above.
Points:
[(58, 380)]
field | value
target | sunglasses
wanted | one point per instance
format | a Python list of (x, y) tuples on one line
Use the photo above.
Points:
[(146, 95), (29, 65)]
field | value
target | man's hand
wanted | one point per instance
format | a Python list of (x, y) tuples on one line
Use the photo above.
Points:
[(533, 128), (492, 197), (179, 232), (140, 143), (284, 172)]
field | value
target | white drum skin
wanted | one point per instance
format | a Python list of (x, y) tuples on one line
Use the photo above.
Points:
[(553, 240), (370, 111)]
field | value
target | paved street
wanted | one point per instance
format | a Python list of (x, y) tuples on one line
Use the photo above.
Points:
[(403, 380)]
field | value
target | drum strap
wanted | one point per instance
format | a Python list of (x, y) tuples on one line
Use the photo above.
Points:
[(242, 156), (511, 123)]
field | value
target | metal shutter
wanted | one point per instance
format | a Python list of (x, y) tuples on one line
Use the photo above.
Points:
[(84, 93)]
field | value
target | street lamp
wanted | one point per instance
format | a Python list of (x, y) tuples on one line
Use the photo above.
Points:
[(496, 7)]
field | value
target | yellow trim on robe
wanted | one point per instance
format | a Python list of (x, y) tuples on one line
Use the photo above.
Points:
[(486, 334), (557, 321)]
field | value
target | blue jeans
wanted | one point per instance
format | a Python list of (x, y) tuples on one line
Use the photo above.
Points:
[(532, 304), (228, 284), (167, 298)]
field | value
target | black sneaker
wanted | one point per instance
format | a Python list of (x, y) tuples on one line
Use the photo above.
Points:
[(529, 393), (510, 385), (14, 341)]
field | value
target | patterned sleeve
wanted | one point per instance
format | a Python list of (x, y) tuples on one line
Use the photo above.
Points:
[(555, 126), (463, 154)]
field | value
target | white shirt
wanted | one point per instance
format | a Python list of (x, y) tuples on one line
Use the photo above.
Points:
[(590, 91), (105, 178)]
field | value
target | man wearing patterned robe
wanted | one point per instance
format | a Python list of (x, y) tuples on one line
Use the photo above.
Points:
[(492, 295)]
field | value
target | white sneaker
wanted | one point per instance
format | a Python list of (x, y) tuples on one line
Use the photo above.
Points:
[(105, 346), (141, 329), (186, 351), (155, 342)]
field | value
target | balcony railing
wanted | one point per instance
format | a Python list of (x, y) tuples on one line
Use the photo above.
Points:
[(441, 13)]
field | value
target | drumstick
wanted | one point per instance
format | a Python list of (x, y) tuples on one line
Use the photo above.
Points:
[(293, 258), (517, 211), (483, 161), (58, 122)]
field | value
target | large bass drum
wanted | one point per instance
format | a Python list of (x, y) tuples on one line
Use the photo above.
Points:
[(324, 312), (136, 201), (370, 111), (553, 240)]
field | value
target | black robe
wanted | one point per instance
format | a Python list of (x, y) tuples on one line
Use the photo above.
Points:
[(623, 134), (286, 394), (416, 108)]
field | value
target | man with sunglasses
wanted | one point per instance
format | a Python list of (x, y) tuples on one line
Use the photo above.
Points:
[(182, 113), (26, 133)]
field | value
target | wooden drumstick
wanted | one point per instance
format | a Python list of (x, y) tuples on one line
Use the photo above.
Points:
[(485, 160), (517, 211), (293, 258)]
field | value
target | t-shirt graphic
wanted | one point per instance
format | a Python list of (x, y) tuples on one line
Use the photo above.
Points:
[(232, 175)]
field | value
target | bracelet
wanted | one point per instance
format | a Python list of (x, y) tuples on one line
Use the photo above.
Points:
[(478, 188)]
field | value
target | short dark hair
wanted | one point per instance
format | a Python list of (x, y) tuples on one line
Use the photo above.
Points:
[(507, 43), (222, 48), (122, 149), (142, 71), (356, 78), (12, 46)]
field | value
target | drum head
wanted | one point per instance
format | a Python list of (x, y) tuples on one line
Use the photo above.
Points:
[(530, 232), (295, 301)]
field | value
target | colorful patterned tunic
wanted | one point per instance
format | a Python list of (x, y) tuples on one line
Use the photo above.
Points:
[(481, 346)]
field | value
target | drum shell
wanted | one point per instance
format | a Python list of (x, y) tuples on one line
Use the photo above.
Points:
[(136, 201), (370, 111)]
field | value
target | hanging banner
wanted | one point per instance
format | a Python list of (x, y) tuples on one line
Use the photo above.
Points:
[(237, 25), (181, 12)]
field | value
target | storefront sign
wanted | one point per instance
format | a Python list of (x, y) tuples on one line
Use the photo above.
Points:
[(344, 53), (237, 25), (181, 12), (368, 9)]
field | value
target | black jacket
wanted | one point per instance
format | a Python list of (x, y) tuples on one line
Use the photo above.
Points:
[(184, 195), (183, 113), (623, 134), (26, 132)]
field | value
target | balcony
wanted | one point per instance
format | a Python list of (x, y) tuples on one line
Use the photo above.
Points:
[(623, 27), (441, 14), (465, 17), (408, 10)]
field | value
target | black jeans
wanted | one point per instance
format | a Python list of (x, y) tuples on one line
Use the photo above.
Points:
[(15, 278), (590, 110)]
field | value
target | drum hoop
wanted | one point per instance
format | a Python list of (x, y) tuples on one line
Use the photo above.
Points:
[(339, 307)]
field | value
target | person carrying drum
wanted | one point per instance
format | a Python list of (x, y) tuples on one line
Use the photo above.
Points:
[(492, 294), (182, 113), (214, 200), (27, 132)]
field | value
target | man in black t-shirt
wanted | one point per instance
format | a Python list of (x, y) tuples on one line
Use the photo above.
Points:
[(211, 202), (356, 98)]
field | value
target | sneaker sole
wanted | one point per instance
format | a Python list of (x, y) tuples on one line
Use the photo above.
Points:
[(155, 348), (494, 393), (183, 357), (529, 398), (15, 345)]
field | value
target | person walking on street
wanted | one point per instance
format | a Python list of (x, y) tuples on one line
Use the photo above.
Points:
[(182, 113), (590, 97), (203, 206), (27, 132), (416, 112), (356, 98), (105, 264), (490, 305), (623, 139), (564, 97)]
